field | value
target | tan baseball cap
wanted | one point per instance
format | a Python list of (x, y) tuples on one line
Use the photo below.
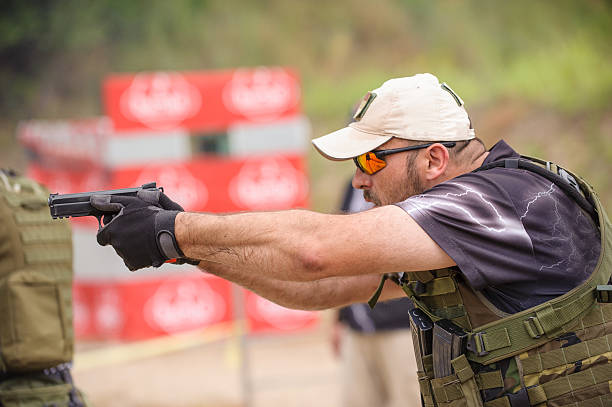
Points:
[(417, 108)]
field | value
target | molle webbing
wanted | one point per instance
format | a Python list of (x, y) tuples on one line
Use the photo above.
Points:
[(530, 328), (569, 355), (464, 382), (44, 234), (439, 297), (35, 280), (570, 384), (40, 240), (25, 218)]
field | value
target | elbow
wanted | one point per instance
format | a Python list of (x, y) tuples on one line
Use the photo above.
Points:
[(314, 262)]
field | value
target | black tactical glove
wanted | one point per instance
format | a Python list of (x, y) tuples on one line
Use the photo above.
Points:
[(140, 229)]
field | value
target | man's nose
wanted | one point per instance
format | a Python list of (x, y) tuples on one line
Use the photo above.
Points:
[(361, 180)]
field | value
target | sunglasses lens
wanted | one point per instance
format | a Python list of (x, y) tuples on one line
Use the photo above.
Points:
[(369, 163)]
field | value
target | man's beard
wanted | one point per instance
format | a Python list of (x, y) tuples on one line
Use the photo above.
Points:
[(413, 185)]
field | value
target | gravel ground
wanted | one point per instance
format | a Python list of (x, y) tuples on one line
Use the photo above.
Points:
[(286, 370), (291, 370)]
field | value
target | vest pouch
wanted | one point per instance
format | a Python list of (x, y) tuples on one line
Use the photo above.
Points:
[(465, 374), (447, 392), (36, 328), (459, 389), (427, 399), (24, 392)]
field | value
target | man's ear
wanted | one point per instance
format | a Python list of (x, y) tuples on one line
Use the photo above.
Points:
[(438, 160)]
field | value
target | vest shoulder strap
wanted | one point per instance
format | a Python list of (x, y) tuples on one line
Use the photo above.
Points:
[(572, 185)]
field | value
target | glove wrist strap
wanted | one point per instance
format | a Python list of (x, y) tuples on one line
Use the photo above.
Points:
[(164, 234)]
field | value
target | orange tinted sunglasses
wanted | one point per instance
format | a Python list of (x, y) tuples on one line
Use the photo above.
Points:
[(373, 161)]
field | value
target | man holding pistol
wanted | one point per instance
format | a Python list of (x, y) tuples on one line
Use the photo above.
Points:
[(505, 257)]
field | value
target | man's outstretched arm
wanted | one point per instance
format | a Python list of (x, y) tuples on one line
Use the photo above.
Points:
[(301, 245), (311, 295)]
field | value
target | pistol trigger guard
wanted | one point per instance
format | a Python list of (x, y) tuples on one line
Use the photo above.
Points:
[(99, 217)]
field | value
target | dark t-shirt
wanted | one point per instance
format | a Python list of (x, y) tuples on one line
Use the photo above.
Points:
[(515, 236)]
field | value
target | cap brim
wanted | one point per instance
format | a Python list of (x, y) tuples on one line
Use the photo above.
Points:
[(347, 143)]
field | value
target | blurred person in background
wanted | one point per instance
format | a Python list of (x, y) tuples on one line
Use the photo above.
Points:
[(36, 335), (507, 258), (374, 345)]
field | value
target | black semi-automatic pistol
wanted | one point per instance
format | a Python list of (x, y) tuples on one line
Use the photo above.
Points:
[(76, 205)]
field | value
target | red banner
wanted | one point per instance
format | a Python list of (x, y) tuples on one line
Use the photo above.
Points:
[(146, 308), (227, 185), (200, 100), (266, 316), (67, 181)]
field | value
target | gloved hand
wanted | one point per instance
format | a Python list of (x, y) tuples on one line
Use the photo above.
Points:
[(141, 229)]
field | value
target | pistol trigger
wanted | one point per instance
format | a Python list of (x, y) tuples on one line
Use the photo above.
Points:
[(99, 217)]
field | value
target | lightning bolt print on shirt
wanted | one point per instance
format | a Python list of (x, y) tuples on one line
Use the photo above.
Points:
[(515, 236)]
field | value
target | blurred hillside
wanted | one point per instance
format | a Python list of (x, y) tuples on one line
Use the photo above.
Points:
[(538, 74)]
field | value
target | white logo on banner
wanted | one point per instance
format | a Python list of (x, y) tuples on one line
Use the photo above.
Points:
[(184, 305), (279, 317), (179, 184), (262, 94), (161, 101), (272, 183), (109, 316), (67, 142)]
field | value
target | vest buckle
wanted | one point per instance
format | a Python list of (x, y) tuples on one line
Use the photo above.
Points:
[(568, 178), (475, 344), (604, 293)]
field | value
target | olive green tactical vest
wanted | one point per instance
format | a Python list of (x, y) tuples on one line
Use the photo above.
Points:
[(35, 280), (558, 353)]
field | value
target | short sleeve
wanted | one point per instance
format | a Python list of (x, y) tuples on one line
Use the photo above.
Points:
[(475, 222)]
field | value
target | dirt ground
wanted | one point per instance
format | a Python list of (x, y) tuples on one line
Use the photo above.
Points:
[(291, 370)]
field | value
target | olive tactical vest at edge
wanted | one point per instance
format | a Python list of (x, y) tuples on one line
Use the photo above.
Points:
[(558, 353), (35, 279)]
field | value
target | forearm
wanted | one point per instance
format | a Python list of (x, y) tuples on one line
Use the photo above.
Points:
[(300, 245), (308, 295), (281, 245)]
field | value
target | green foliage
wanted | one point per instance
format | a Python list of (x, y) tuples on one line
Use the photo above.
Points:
[(551, 53), (552, 56)]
